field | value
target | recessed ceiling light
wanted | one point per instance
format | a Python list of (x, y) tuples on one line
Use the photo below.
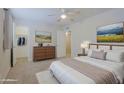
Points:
[(63, 16)]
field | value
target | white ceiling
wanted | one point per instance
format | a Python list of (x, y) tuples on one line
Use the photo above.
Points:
[(40, 15)]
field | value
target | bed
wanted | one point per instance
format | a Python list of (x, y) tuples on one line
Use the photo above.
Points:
[(88, 70)]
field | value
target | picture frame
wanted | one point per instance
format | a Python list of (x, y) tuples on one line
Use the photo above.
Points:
[(113, 33), (43, 37)]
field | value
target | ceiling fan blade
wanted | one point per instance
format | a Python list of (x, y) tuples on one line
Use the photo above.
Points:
[(77, 12), (73, 13), (52, 15)]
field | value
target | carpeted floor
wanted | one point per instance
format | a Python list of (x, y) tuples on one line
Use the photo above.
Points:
[(24, 72)]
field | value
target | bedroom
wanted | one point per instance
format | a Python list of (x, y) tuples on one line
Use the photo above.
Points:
[(64, 33)]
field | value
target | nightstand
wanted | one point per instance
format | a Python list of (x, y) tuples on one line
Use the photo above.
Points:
[(81, 55)]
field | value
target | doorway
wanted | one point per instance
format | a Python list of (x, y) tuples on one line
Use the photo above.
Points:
[(68, 44), (61, 45)]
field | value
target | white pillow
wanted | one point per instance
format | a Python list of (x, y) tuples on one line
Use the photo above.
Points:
[(98, 55), (89, 53), (91, 50), (115, 55)]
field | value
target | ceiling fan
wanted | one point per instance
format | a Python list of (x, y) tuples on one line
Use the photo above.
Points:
[(66, 15)]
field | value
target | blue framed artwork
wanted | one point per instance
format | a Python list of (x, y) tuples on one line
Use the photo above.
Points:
[(111, 33)]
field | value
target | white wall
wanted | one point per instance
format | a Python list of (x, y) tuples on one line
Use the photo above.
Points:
[(86, 30), (4, 54), (22, 51), (32, 42), (29, 31)]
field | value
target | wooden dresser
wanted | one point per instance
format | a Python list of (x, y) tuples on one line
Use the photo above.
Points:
[(42, 53)]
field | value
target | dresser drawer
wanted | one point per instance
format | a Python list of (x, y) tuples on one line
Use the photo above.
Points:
[(40, 53)]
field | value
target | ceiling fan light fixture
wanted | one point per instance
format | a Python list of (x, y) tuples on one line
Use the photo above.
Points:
[(63, 16)]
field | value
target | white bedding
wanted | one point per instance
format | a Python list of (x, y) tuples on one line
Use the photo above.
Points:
[(68, 75)]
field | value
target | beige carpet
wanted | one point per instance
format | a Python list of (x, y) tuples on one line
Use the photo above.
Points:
[(24, 72)]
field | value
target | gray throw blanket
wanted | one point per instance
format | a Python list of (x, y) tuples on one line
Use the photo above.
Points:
[(99, 75)]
